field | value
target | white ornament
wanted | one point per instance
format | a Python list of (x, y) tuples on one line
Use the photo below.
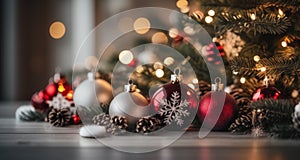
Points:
[(59, 101), (92, 92), (92, 131), (129, 104), (174, 109), (297, 107)]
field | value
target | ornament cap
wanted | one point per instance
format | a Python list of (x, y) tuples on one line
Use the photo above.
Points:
[(130, 87), (176, 77), (266, 81), (218, 86), (91, 76)]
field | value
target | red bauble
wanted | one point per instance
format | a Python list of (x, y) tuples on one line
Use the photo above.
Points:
[(76, 119), (175, 94), (266, 92), (38, 101), (208, 106), (57, 84), (213, 51), (51, 89)]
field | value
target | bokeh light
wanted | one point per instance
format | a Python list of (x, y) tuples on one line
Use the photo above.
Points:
[(57, 30)]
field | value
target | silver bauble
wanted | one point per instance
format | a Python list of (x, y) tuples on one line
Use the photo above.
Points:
[(129, 104), (92, 92)]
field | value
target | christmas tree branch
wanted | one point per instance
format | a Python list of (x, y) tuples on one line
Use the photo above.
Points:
[(253, 24)]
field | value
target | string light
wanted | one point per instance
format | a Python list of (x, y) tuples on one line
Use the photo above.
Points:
[(211, 12), (173, 32), (125, 57), (284, 44), (253, 16), (141, 25), (159, 37), (185, 9), (235, 72), (57, 30), (280, 12), (189, 30), (159, 73), (208, 19), (243, 80), (169, 61), (195, 80), (158, 65), (182, 3), (256, 58), (263, 69)]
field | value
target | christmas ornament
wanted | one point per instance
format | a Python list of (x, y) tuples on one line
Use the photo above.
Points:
[(214, 50), (130, 104), (296, 117), (175, 102), (75, 119), (92, 92), (92, 131), (59, 117), (58, 93), (28, 113), (267, 91), (208, 106)]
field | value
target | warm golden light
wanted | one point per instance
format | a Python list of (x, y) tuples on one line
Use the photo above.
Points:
[(195, 80), (57, 30), (253, 16), (185, 9), (160, 37), (256, 58), (235, 72), (211, 12), (158, 65), (284, 44), (173, 32), (280, 12), (208, 19), (169, 61), (182, 3), (141, 25), (243, 80), (125, 57), (159, 73), (61, 87), (263, 69), (70, 95)]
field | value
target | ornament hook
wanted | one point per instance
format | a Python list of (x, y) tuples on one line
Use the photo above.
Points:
[(218, 86), (176, 76), (130, 87)]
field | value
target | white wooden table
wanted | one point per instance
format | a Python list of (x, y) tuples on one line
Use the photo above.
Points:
[(38, 140)]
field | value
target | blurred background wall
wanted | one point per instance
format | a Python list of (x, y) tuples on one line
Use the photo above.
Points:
[(29, 55)]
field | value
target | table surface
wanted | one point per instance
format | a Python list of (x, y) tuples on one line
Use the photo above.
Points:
[(39, 140)]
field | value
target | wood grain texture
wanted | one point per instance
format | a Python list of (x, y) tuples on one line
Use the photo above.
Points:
[(39, 140)]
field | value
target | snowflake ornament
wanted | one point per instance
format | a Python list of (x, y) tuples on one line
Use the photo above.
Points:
[(174, 109), (59, 101)]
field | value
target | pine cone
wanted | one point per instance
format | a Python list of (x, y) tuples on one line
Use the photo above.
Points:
[(242, 124), (204, 87), (147, 125), (120, 122), (296, 120), (102, 119), (59, 117), (242, 98)]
